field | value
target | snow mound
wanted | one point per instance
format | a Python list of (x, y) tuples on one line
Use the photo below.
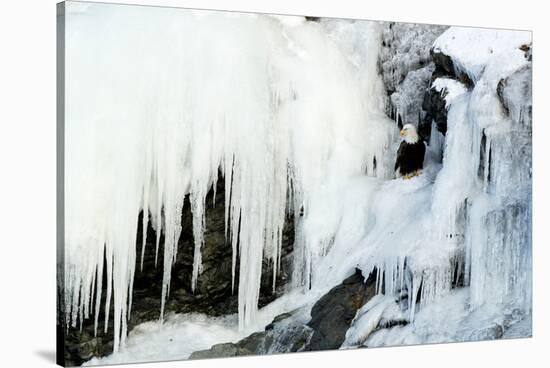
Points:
[(175, 339)]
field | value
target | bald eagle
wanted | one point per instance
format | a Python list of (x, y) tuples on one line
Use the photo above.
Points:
[(410, 155)]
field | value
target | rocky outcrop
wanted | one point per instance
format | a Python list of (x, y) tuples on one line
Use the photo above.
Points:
[(324, 328), (406, 67), (436, 111), (444, 66), (276, 340), (331, 316), (514, 91), (213, 294), (433, 104)]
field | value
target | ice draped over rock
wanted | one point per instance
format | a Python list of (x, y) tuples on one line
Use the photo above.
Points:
[(481, 198), (162, 101)]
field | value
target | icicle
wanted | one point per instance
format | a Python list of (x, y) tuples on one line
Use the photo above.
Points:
[(197, 207), (99, 284)]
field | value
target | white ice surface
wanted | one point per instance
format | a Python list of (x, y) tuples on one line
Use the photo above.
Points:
[(450, 88), (176, 339)]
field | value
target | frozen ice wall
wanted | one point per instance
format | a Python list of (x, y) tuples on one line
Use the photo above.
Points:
[(479, 208), (161, 101)]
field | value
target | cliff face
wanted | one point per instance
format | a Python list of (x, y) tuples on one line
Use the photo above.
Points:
[(433, 245), (407, 66)]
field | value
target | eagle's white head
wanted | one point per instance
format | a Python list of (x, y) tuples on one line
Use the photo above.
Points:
[(409, 133)]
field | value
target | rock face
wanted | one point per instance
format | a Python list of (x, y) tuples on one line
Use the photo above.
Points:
[(213, 294), (331, 316), (514, 93), (324, 328), (444, 66), (277, 340), (436, 111), (433, 103), (406, 67)]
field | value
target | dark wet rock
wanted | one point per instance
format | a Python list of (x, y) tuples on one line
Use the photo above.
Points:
[(284, 335), (324, 329), (528, 50), (514, 93), (493, 332), (444, 67), (313, 19), (276, 320), (213, 294), (220, 351), (331, 316), (436, 111)]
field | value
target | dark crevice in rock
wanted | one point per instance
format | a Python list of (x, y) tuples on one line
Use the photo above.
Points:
[(313, 19), (436, 111), (444, 67), (434, 104)]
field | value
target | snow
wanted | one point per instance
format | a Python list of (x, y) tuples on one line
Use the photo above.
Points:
[(175, 339), (449, 88), (471, 49), (450, 320), (161, 102), (368, 317), (182, 334)]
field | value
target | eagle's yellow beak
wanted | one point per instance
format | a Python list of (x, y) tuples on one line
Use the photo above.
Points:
[(402, 132)]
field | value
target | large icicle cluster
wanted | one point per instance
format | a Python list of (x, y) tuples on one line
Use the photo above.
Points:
[(161, 101)]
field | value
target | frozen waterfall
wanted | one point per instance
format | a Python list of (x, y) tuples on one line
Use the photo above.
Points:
[(161, 102)]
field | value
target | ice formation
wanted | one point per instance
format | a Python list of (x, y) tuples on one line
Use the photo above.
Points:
[(480, 207), (161, 102)]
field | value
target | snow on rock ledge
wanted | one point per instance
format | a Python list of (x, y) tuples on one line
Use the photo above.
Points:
[(471, 49)]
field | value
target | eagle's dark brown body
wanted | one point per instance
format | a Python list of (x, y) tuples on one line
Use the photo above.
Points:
[(410, 157)]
